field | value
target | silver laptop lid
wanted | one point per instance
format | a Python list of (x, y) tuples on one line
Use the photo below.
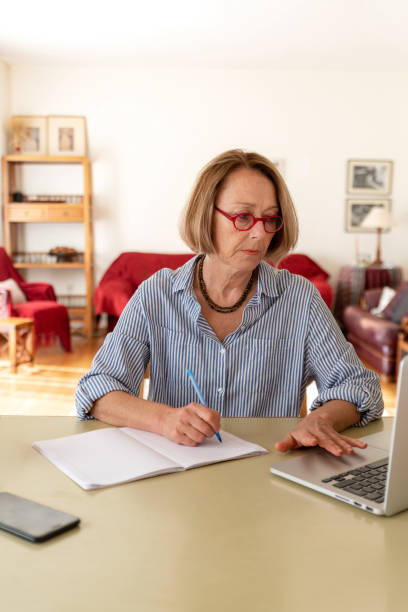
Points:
[(396, 498)]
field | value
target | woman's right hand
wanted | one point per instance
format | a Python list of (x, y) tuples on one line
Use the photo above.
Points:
[(191, 424)]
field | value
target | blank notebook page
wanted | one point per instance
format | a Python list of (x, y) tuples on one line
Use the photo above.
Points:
[(103, 457), (209, 451)]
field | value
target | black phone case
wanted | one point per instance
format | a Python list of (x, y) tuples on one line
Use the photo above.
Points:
[(32, 521)]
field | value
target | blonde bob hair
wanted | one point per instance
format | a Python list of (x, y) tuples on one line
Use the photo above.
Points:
[(197, 219)]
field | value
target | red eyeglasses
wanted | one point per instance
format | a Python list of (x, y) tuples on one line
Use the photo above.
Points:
[(244, 221)]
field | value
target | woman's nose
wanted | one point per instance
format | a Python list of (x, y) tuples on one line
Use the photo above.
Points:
[(257, 229)]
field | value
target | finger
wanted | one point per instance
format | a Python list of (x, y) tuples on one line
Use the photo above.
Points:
[(200, 425), (185, 440), (288, 443), (323, 438), (194, 435), (355, 442), (210, 419), (336, 444), (344, 443)]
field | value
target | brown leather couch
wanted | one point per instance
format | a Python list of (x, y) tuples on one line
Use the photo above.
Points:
[(375, 337)]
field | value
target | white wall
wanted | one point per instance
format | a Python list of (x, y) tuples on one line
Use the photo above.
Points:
[(4, 114), (150, 131)]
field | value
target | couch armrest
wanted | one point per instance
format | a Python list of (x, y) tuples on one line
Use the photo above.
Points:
[(39, 292), (112, 296), (372, 329), (371, 298)]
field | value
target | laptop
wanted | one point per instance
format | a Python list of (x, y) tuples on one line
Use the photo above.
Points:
[(374, 479)]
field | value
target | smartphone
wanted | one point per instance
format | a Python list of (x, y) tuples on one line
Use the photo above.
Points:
[(32, 521)]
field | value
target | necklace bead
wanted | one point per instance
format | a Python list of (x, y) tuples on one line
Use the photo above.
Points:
[(213, 305)]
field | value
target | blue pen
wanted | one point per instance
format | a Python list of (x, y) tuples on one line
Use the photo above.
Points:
[(200, 395)]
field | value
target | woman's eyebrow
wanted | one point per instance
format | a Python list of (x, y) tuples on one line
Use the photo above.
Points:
[(251, 205)]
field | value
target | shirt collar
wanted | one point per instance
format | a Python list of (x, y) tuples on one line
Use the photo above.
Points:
[(183, 277), (268, 279)]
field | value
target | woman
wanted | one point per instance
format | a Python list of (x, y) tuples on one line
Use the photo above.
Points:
[(254, 336)]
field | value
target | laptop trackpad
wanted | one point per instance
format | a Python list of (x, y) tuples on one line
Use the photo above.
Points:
[(381, 440)]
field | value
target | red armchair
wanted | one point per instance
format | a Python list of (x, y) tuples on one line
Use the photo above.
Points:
[(126, 273), (50, 317)]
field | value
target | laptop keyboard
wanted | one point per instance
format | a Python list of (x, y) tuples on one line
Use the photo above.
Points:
[(367, 481)]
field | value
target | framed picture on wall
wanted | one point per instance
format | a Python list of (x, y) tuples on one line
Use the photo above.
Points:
[(357, 211), (28, 135), (67, 135), (365, 176)]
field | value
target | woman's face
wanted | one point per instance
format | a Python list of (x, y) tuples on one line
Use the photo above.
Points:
[(244, 191)]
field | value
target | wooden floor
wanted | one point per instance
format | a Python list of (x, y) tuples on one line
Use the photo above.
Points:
[(48, 387)]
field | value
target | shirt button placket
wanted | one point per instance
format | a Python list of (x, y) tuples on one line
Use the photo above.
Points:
[(221, 380)]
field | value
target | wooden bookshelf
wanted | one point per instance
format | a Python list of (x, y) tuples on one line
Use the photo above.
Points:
[(15, 213)]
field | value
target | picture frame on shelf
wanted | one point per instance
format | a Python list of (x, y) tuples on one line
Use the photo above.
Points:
[(28, 135), (369, 176), (67, 135), (357, 211)]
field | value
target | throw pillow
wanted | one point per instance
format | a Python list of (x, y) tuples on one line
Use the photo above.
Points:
[(398, 307), (386, 296), (17, 296)]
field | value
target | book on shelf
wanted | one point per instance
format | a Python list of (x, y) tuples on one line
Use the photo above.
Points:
[(110, 456)]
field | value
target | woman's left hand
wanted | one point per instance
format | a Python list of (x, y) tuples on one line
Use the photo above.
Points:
[(316, 429)]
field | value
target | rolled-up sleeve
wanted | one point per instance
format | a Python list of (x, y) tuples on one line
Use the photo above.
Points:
[(120, 363), (338, 372)]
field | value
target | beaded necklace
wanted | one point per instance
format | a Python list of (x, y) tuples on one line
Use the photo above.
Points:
[(209, 301)]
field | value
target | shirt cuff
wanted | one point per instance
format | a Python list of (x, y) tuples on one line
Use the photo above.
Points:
[(368, 403), (93, 389)]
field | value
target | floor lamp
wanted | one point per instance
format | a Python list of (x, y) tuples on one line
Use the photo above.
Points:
[(380, 219)]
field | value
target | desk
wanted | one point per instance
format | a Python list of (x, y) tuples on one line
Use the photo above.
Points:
[(229, 537)]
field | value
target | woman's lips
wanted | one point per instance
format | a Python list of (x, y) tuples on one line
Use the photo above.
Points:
[(250, 252)]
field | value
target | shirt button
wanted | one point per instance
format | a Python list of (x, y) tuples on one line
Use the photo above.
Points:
[(222, 351), (220, 390)]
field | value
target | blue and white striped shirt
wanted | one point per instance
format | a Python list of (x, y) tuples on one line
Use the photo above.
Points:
[(287, 338)]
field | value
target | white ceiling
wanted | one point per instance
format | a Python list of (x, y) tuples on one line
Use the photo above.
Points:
[(285, 34)]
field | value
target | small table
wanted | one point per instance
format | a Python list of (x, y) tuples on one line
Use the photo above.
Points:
[(20, 334)]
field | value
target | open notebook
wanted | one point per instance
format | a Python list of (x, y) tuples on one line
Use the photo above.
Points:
[(110, 456)]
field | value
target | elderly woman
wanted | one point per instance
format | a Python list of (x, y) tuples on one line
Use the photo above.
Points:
[(254, 336)]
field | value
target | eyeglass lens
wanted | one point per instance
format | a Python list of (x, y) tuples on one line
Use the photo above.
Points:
[(246, 221)]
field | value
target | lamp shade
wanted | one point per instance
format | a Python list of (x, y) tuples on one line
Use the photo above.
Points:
[(378, 217)]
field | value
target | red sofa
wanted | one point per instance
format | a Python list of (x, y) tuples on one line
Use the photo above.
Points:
[(126, 273), (297, 263)]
